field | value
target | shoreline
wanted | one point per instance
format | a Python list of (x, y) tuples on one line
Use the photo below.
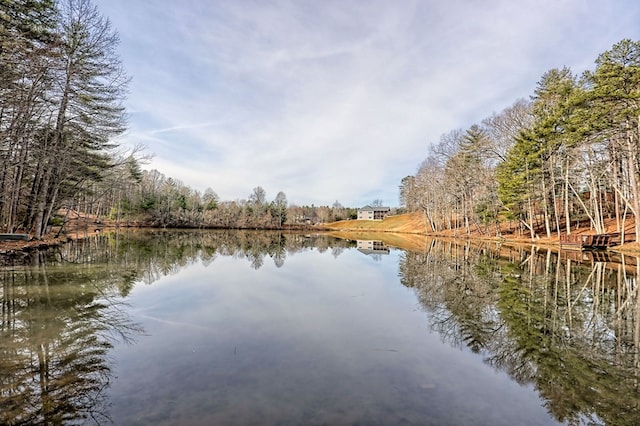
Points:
[(412, 237)]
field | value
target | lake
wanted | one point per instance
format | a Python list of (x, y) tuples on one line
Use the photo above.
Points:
[(244, 328)]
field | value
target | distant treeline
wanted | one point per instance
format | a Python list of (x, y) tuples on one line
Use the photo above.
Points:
[(153, 199), (569, 154)]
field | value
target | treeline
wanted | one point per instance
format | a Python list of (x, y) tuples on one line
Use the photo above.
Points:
[(62, 86), (568, 155), (61, 92), (153, 199)]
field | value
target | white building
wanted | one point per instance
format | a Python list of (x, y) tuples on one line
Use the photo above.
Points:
[(373, 213)]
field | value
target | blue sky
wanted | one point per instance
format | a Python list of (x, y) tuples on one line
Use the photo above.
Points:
[(336, 100)]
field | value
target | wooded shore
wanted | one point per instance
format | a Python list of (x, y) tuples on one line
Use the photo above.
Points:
[(403, 231)]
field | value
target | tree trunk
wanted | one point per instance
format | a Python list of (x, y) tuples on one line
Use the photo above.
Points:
[(554, 195), (545, 206), (567, 214), (632, 159), (616, 197), (530, 225)]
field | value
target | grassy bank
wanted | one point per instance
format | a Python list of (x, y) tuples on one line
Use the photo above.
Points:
[(410, 223), (415, 223)]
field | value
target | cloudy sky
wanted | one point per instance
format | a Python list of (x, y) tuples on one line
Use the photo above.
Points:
[(336, 99)]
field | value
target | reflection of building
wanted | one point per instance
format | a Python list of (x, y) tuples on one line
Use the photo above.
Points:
[(373, 213), (372, 247)]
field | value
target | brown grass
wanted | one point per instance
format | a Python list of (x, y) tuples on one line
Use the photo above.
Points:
[(410, 223), (406, 241), (415, 224)]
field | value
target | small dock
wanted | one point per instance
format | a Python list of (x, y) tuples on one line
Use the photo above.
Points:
[(593, 241), (14, 237)]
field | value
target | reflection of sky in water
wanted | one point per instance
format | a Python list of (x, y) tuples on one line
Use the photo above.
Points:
[(321, 340)]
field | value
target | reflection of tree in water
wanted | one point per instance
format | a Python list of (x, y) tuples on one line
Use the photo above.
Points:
[(278, 250), (153, 254), (61, 315), (458, 299), (57, 326), (337, 251), (569, 328)]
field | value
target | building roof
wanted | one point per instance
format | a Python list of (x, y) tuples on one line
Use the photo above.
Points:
[(369, 208)]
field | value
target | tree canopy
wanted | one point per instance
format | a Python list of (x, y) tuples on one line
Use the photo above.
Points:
[(569, 154)]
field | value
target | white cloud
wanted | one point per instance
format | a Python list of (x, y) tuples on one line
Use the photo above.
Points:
[(336, 100)]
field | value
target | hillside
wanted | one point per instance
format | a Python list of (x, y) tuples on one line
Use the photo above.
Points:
[(411, 223), (404, 231), (415, 223)]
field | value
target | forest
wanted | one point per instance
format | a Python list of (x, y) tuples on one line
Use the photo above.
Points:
[(62, 89), (566, 157)]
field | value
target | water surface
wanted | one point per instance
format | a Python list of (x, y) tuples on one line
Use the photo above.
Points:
[(266, 328)]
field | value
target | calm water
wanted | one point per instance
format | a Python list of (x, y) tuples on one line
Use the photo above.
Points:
[(189, 328)]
